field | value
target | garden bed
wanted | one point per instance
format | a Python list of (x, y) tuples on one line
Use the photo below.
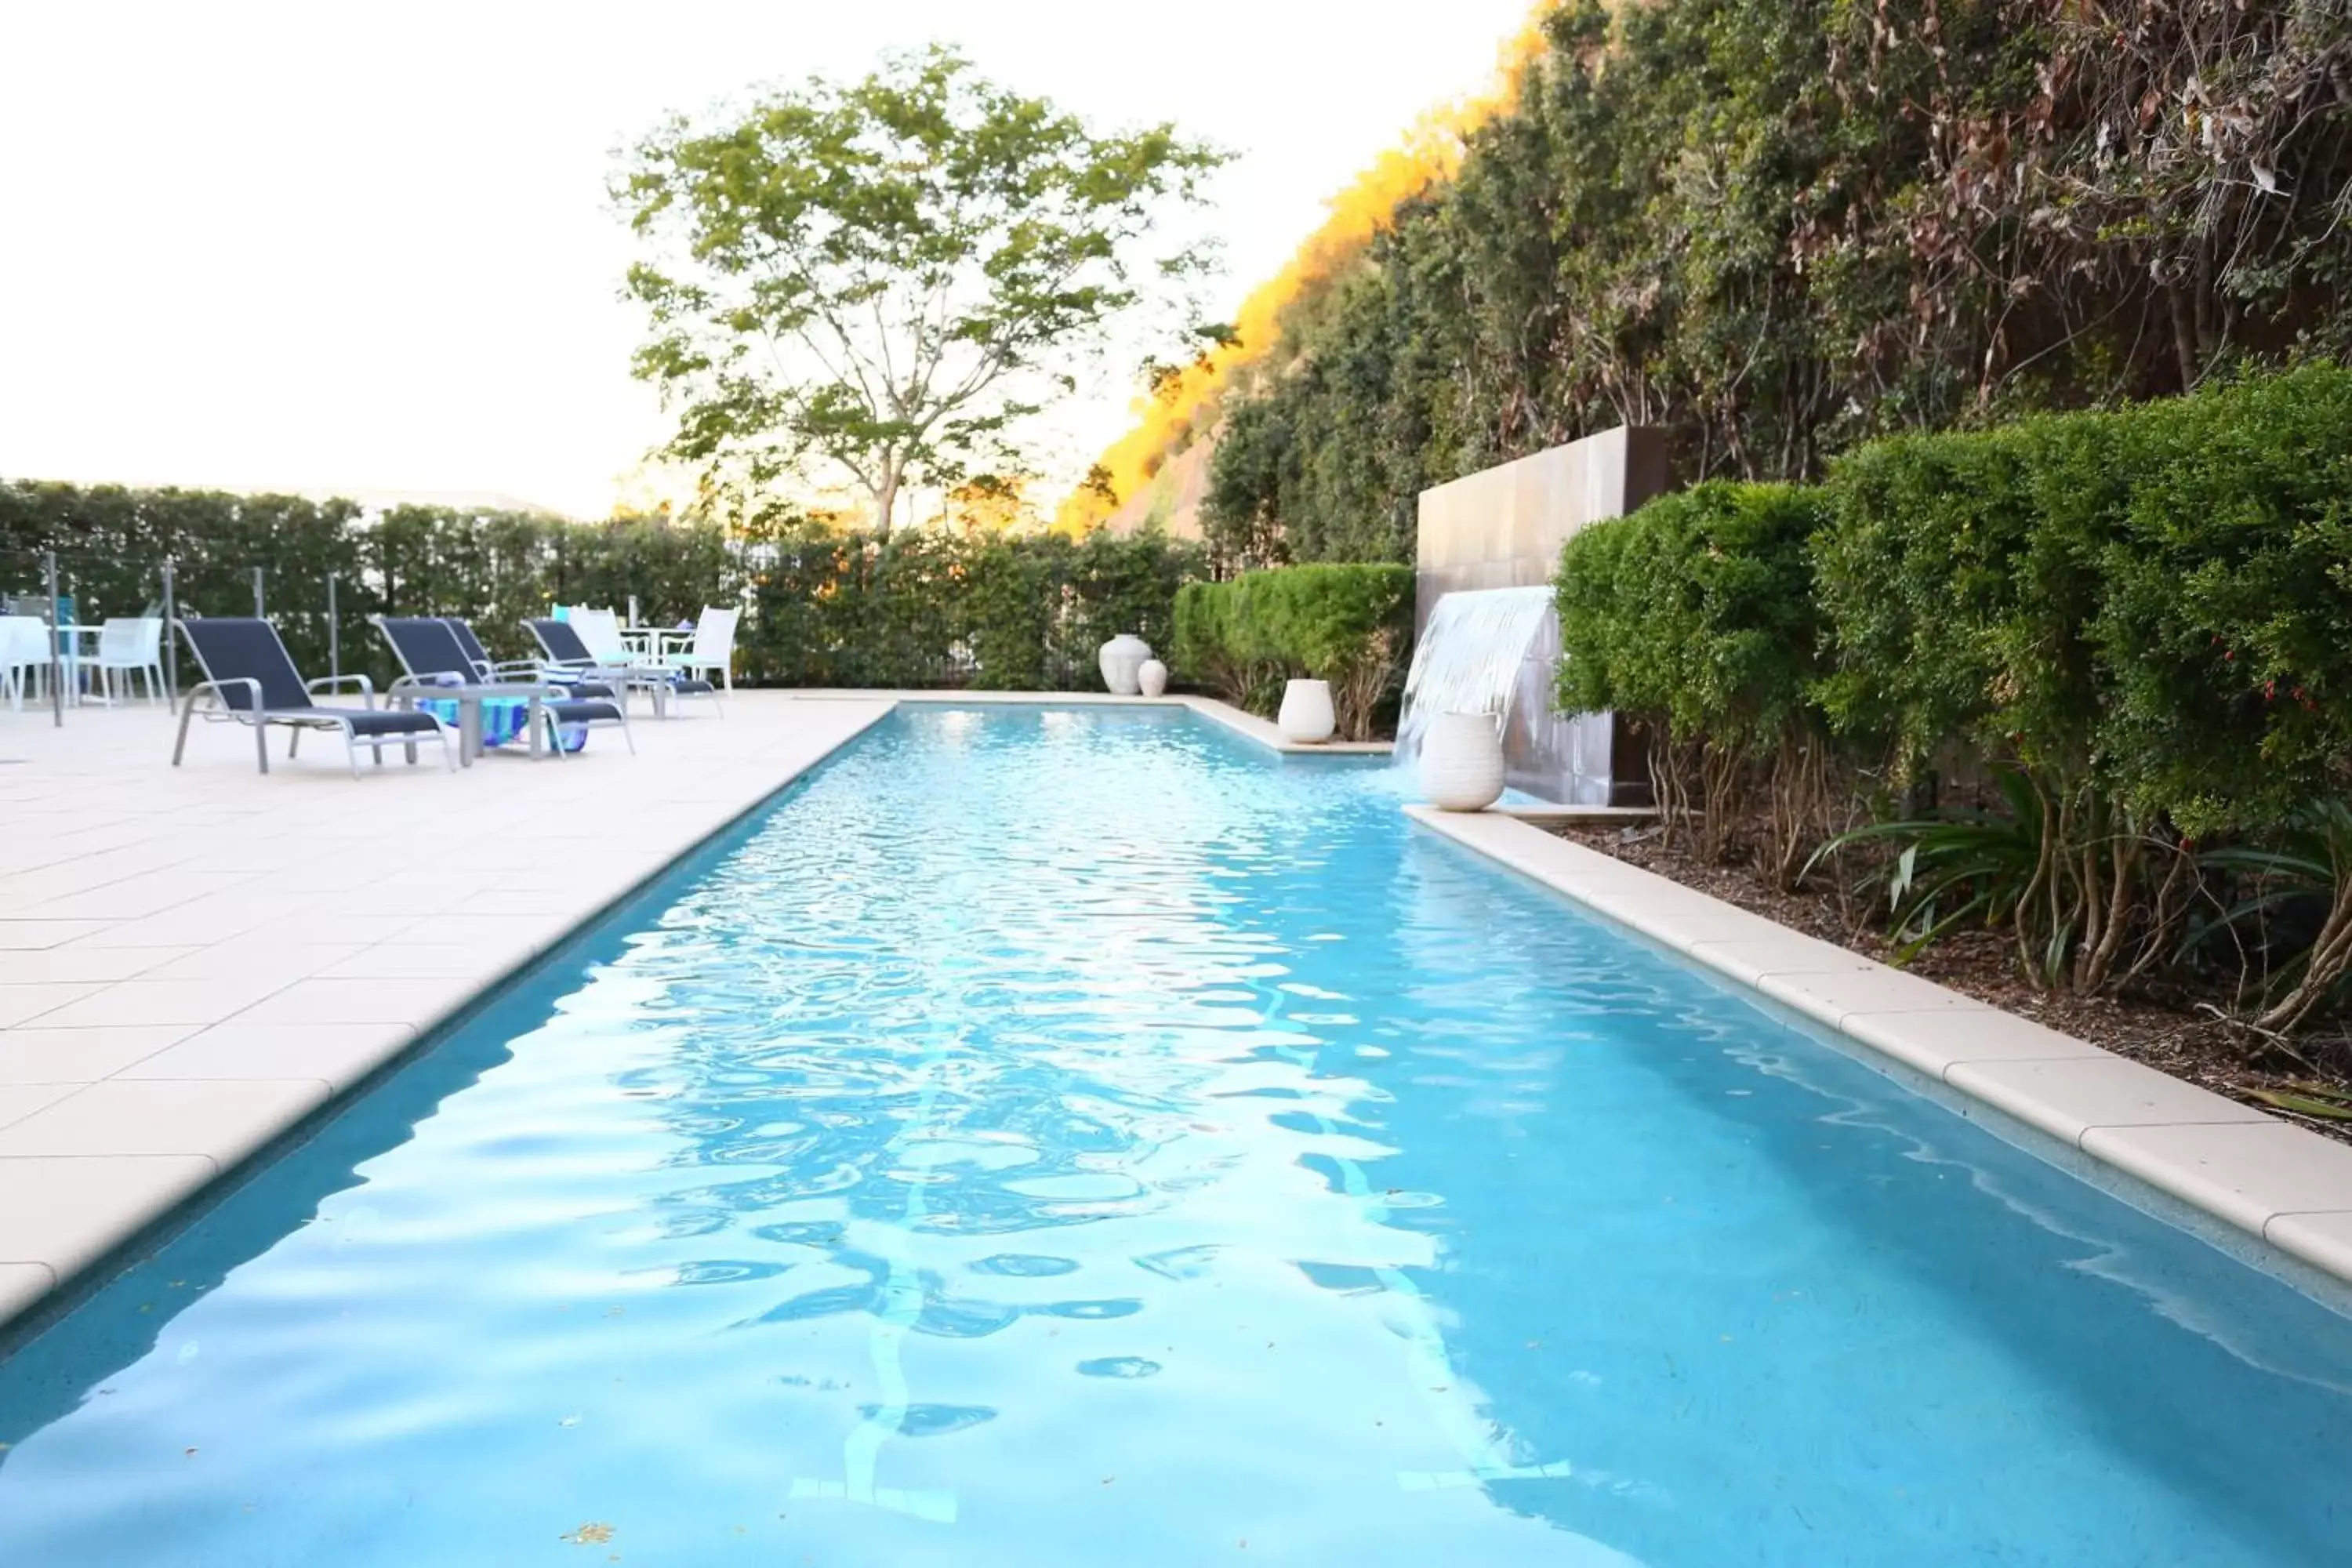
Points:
[(2171, 1034)]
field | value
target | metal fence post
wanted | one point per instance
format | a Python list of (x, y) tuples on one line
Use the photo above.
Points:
[(57, 665), (258, 613), (334, 634), (171, 639)]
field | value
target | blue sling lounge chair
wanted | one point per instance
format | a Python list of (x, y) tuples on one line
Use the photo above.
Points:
[(428, 649), (250, 676)]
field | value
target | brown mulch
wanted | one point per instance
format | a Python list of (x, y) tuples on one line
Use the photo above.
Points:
[(2169, 1033)]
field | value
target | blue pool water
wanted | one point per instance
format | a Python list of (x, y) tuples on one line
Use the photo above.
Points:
[(1074, 1137)]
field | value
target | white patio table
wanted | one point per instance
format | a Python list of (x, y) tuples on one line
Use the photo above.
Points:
[(656, 643), (468, 700)]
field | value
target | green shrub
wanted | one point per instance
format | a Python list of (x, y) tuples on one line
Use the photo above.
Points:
[(1011, 613), (1694, 617), (2148, 614), (917, 608), (2225, 626), (1348, 623), (1956, 575)]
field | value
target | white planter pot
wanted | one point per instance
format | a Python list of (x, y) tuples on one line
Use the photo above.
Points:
[(1152, 677), (1121, 658), (1462, 762), (1305, 719)]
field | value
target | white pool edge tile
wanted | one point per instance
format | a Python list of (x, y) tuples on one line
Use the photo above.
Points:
[(22, 1285), (2224, 1179)]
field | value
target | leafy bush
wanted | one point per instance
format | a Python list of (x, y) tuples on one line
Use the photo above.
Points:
[(1025, 613), (1694, 617), (2146, 614), (1348, 623), (913, 610), (2226, 616), (2131, 631), (1210, 649), (1780, 230)]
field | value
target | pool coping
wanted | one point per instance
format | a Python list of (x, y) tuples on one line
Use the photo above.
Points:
[(2277, 1182)]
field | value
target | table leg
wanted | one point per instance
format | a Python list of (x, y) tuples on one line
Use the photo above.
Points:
[(533, 719), (469, 729)]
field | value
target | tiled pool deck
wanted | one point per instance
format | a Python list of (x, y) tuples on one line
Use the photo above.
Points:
[(192, 960)]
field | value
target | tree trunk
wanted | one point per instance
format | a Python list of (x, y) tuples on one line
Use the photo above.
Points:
[(886, 499)]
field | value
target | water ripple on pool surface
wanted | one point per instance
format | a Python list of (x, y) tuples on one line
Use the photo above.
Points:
[(1074, 1137)]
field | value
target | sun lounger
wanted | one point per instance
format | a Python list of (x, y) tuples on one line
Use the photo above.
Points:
[(248, 673), (436, 666)]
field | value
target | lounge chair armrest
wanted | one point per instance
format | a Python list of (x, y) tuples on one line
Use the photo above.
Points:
[(336, 682), (252, 687)]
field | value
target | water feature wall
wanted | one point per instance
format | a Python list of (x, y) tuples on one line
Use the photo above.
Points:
[(1495, 651), (1496, 534)]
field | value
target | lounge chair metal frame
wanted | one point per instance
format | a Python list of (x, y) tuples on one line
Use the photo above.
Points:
[(297, 719), (493, 670), (661, 682), (623, 678), (555, 705)]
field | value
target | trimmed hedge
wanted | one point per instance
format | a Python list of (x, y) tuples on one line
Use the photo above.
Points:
[(1349, 624), (1010, 614), (2140, 621), (2157, 602), (493, 567), (916, 609), (1694, 618)]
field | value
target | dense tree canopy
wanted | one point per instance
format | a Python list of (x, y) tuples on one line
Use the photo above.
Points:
[(1779, 228)]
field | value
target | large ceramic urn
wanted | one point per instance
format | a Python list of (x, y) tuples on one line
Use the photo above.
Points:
[(1122, 658), (1462, 762), (1306, 718)]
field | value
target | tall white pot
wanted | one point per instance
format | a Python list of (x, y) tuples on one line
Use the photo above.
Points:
[(1306, 718), (1462, 762), (1121, 658)]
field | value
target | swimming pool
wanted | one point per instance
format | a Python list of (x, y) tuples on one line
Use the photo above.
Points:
[(1056, 1136)]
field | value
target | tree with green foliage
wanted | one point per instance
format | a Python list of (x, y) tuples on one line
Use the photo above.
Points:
[(1781, 229), (890, 276)]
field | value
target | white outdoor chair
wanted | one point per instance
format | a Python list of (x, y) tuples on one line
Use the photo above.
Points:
[(601, 630), (714, 646), (131, 644), (24, 657), (588, 643)]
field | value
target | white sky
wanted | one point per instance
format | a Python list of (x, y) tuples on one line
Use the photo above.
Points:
[(367, 246)]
